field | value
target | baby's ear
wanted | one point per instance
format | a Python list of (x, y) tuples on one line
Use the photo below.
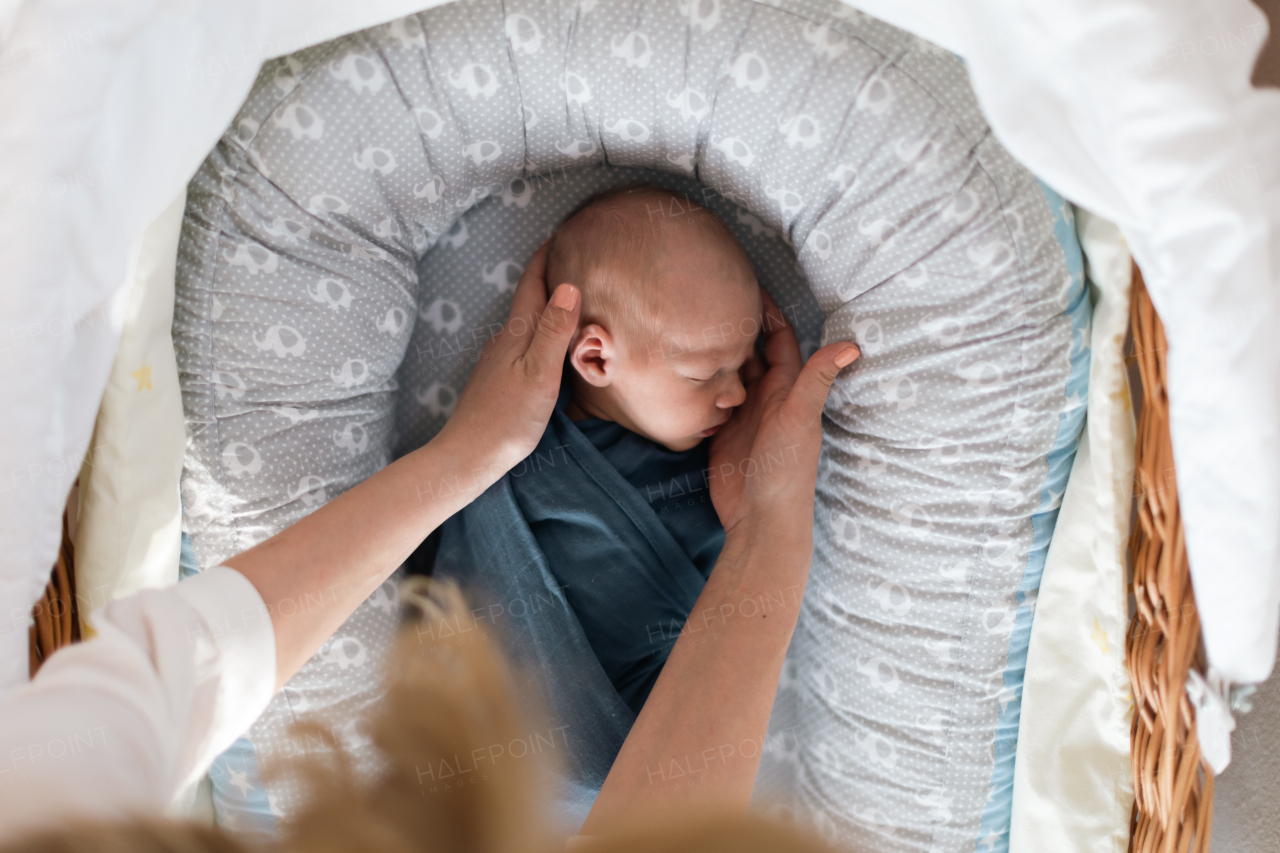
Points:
[(593, 354)]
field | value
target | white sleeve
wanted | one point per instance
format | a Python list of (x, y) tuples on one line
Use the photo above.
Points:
[(117, 724)]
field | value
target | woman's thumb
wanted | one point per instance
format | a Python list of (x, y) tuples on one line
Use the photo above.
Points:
[(556, 326), (813, 384)]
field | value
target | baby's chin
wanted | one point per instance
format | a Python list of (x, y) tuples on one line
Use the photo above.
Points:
[(680, 444)]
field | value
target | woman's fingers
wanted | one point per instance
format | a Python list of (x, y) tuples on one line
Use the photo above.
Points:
[(752, 369), (556, 325), (809, 395), (531, 291), (780, 347)]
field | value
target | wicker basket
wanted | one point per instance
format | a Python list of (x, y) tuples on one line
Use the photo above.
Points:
[(56, 615), (1173, 789)]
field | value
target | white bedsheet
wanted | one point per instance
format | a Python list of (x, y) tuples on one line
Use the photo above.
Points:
[(1072, 781), (109, 106)]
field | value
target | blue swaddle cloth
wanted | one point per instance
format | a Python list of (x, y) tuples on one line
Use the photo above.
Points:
[(587, 558)]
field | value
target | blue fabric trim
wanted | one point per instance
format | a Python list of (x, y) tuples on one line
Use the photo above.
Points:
[(993, 834), (240, 801)]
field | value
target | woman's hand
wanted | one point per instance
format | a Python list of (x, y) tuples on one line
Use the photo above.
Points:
[(339, 554), (512, 390), (765, 458), (717, 687)]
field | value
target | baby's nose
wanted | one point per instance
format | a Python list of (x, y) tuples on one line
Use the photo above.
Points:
[(734, 395)]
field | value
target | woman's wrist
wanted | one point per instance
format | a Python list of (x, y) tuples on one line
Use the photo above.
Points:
[(780, 544), (465, 461)]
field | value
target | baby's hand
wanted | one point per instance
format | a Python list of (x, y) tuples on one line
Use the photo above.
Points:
[(764, 460)]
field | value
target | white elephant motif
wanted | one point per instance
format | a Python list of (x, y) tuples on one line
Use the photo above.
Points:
[(703, 14), (484, 151), (346, 652), (296, 414), (323, 204), (476, 79), (393, 322), (437, 398), (878, 750), (432, 190), (802, 130), (633, 48), (882, 674), (378, 159), (456, 235), (749, 71), (845, 176), (912, 518), (825, 41), (444, 315), (408, 32), (429, 122), (354, 372), (323, 292), (288, 229), (875, 96), (227, 384), (575, 87), (691, 103), (921, 155), (252, 257), (683, 162), (942, 330), (758, 228), (892, 597), (353, 438), (310, 490), (273, 341), (579, 148), (846, 530), (789, 202), (503, 275), (630, 130), (235, 465), (517, 192), (523, 33), (300, 120), (359, 71)]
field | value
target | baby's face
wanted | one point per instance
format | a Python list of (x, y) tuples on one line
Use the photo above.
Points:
[(679, 391)]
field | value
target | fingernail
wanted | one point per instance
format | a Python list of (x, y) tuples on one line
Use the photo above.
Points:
[(566, 297), (846, 356)]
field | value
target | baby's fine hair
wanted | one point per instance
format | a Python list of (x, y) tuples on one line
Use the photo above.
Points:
[(609, 246)]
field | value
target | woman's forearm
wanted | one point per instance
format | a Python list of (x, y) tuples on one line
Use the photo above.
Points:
[(700, 732), (314, 574)]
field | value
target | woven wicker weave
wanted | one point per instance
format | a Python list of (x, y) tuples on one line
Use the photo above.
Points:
[(1173, 790), (57, 621)]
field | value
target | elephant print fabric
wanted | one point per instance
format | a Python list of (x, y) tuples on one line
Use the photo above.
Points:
[(356, 235)]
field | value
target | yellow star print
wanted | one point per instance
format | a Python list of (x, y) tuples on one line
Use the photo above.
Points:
[(143, 375), (1100, 637)]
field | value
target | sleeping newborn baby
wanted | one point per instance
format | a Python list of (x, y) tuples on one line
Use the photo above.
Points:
[(597, 546)]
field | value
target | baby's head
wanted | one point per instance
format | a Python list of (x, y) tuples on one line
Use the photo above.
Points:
[(670, 311)]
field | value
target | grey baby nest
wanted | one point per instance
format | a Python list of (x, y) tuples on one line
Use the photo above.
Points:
[(358, 229)]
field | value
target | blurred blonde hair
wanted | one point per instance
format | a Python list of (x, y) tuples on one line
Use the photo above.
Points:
[(439, 704)]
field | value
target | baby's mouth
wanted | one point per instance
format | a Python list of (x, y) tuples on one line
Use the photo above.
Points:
[(714, 429)]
